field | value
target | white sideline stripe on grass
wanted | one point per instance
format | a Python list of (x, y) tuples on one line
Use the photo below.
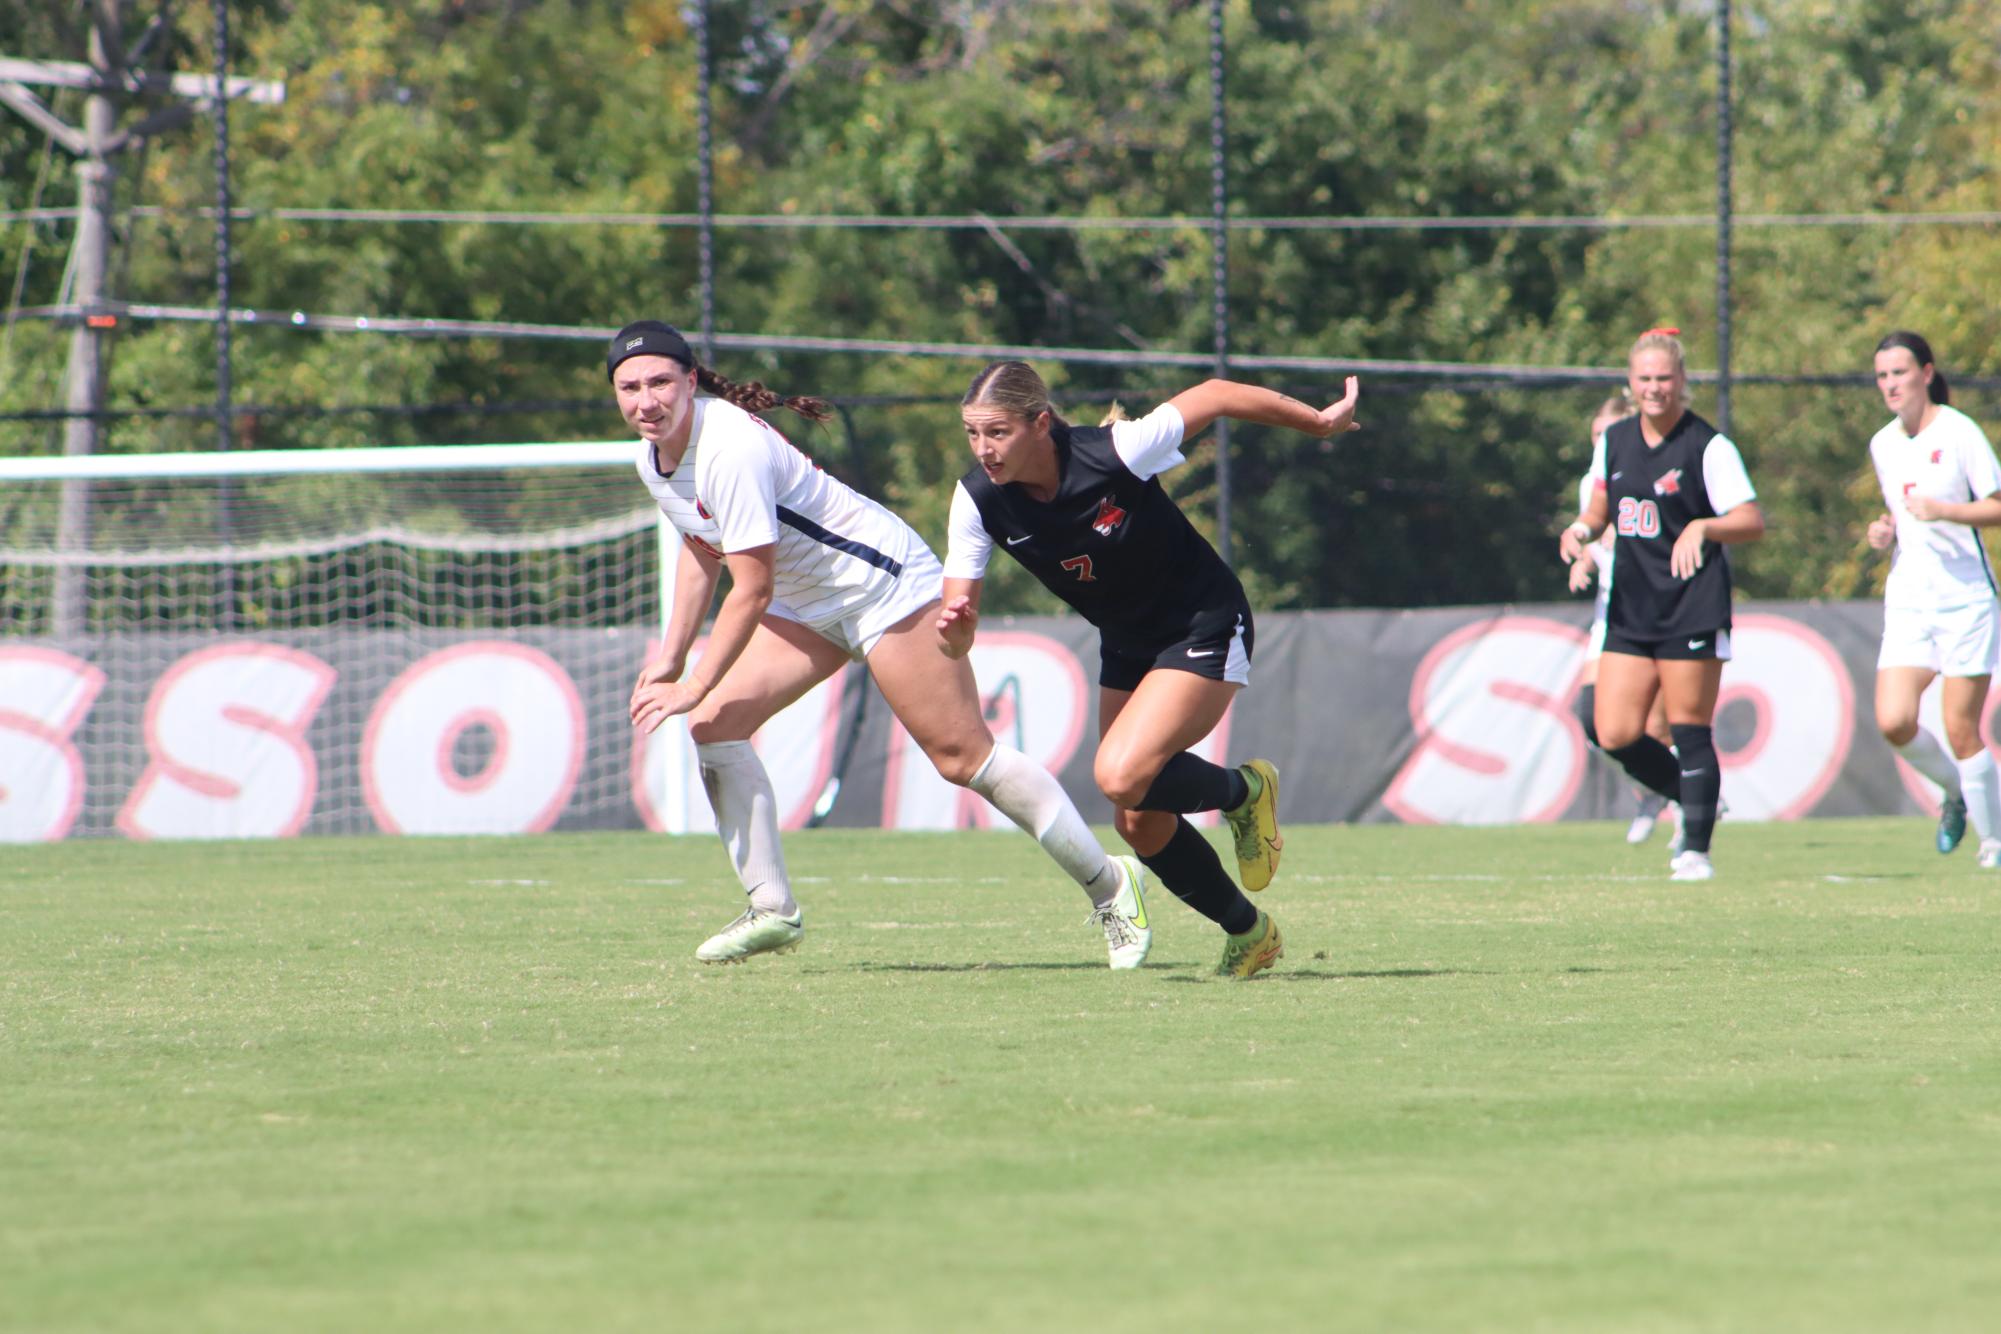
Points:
[(507, 882), (1591, 877)]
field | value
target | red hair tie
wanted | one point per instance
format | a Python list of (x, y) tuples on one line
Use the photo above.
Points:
[(1667, 329)]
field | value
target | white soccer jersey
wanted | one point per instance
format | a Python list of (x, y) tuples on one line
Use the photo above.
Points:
[(742, 485), (1939, 565)]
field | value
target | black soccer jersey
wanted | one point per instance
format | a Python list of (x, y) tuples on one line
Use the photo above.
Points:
[(1114, 547), (1654, 493)]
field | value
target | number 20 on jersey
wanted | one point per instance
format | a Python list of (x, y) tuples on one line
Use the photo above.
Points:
[(1638, 517)]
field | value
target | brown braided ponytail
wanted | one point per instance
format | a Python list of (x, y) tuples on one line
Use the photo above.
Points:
[(754, 398)]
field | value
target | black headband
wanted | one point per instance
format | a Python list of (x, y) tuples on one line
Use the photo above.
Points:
[(647, 338)]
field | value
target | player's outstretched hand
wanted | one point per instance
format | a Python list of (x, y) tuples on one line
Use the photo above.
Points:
[(958, 619), (1340, 417), (1882, 532)]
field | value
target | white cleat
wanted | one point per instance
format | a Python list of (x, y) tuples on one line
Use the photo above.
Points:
[(1691, 865), (758, 931), (1642, 827), (1128, 936), (1990, 853)]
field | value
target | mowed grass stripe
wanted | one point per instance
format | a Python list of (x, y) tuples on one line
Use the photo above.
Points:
[(1504, 1079)]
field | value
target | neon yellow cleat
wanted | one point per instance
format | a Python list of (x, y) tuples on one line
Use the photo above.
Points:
[(1128, 937), (758, 931), (1254, 825), (1254, 951)]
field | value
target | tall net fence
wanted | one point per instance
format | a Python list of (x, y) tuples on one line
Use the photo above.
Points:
[(417, 650)]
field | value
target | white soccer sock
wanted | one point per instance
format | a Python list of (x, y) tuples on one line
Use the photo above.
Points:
[(1923, 753), (747, 818), (1029, 795), (1978, 785)]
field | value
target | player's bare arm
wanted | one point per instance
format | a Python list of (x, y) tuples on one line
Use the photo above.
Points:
[(1213, 399), (1982, 513), (751, 582), (1744, 523), (1585, 529), (959, 616), (695, 577)]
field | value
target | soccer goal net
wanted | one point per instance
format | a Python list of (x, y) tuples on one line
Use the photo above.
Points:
[(270, 643)]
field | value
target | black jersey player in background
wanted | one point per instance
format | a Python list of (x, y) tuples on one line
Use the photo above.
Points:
[(1676, 491), (1083, 509)]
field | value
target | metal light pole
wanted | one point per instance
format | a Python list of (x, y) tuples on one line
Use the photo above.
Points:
[(1723, 216), (1219, 249), (705, 182)]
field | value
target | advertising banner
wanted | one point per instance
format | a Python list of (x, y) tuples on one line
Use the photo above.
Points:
[(1450, 716)]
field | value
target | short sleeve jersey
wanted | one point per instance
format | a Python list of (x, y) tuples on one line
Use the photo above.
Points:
[(741, 485), (1939, 565), (1110, 543), (1653, 493)]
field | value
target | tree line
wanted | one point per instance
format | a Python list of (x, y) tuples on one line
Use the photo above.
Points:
[(1098, 108)]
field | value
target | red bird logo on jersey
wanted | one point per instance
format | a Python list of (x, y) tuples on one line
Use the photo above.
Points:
[(1668, 483), (1110, 516), (1938, 455)]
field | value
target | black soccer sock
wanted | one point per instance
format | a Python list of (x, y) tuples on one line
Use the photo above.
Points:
[(1586, 709), (1651, 765), (1701, 783), (1190, 867), (1187, 782)]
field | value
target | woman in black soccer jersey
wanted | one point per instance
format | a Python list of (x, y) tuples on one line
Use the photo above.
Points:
[(1082, 507), (1676, 492)]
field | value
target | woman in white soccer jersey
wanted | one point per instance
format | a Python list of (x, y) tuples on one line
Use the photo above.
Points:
[(1596, 562), (1676, 491), (819, 576), (1941, 485), (1082, 508)]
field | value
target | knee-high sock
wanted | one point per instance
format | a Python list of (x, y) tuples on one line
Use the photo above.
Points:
[(1923, 753), (1189, 866), (1979, 786), (1029, 795), (1187, 782), (1586, 708), (747, 818), (1651, 765), (1701, 783)]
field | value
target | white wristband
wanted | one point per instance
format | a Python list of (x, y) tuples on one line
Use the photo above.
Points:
[(1581, 531)]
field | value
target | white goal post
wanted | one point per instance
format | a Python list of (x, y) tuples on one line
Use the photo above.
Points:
[(265, 643)]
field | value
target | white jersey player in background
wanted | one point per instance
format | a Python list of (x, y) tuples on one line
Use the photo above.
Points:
[(819, 576), (1941, 485)]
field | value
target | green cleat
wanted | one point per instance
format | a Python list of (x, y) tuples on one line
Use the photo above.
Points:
[(758, 931), (1252, 952), (1951, 823), (1128, 937), (1254, 826)]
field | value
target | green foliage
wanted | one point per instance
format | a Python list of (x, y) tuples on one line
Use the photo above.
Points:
[(1100, 109)]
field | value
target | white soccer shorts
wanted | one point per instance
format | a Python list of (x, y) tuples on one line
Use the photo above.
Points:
[(1962, 641)]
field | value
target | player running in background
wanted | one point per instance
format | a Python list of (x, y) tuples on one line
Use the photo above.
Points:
[(819, 576), (1596, 562), (1083, 509), (1675, 490), (1941, 485)]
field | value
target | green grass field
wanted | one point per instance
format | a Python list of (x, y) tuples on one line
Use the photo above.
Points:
[(1503, 1080)]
